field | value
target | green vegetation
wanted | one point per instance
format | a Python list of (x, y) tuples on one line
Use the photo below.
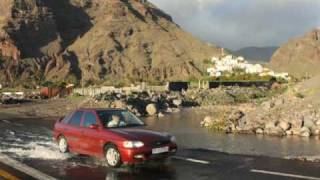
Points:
[(300, 95), (242, 78), (207, 61)]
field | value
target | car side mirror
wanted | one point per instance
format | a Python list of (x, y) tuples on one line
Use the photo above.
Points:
[(93, 126)]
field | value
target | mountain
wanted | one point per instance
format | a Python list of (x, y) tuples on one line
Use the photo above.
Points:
[(95, 41), (260, 54), (300, 56)]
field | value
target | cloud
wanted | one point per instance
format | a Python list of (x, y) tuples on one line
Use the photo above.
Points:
[(241, 23)]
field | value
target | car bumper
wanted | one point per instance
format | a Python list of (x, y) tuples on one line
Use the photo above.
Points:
[(141, 155)]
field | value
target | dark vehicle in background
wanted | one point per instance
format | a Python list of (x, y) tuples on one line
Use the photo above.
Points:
[(115, 135)]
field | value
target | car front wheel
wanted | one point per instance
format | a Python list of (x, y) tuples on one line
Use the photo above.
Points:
[(112, 156), (63, 145)]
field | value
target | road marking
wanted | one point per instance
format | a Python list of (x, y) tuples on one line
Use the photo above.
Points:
[(24, 168), (191, 160), (284, 174), (7, 175)]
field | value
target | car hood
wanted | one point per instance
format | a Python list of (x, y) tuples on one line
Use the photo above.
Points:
[(138, 134)]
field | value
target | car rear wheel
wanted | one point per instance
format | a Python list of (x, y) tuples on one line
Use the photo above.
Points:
[(63, 145), (112, 156)]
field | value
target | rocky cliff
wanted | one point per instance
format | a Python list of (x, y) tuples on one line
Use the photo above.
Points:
[(96, 41), (300, 57)]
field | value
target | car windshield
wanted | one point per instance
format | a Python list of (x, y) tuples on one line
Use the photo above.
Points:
[(118, 119)]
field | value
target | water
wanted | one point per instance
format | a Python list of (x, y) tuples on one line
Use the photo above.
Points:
[(186, 127), (33, 139)]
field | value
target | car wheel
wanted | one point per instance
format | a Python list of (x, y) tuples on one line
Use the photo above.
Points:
[(63, 145), (112, 156)]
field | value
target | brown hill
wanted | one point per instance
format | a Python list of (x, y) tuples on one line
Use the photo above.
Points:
[(300, 57), (96, 41)]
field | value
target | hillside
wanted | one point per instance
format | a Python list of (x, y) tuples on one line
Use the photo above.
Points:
[(300, 56), (256, 54), (95, 41)]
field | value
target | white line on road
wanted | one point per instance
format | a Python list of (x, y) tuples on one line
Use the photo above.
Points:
[(284, 174), (191, 160), (24, 168)]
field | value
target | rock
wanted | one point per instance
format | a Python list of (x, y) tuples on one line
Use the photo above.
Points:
[(235, 116), (297, 123), (119, 104), (295, 131), (316, 132), (175, 110), (177, 102), (317, 123), (259, 131), (270, 125), (308, 122), (289, 133), (267, 105), (207, 122), (160, 115), (169, 110), (284, 125), (305, 132), (152, 109), (276, 131)]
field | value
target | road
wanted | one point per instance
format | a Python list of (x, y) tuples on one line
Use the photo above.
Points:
[(187, 164), (29, 142)]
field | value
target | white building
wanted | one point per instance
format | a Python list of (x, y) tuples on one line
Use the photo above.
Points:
[(229, 64)]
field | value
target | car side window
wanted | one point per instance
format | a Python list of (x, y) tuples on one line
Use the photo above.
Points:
[(89, 119), (76, 118), (66, 118)]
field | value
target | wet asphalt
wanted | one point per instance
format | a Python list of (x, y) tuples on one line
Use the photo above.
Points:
[(28, 142)]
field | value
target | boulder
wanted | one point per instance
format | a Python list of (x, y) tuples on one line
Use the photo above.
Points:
[(305, 132), (207, 122), (160, 115), (119, 104), (152, 109), (177, 102), (259, 131), (316, 132), (289, 132), (284, 125), (276, 131), (317, 123), (308, 122), (235, 116), (270, 125), (297, 123)]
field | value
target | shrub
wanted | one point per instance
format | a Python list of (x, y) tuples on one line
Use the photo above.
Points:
[(207, 61)]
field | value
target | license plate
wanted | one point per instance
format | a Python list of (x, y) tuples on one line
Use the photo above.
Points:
[(160, 150)]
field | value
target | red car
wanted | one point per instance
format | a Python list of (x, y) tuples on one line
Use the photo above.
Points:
[(113, 134)]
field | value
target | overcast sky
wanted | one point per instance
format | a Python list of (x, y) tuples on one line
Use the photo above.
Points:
[(241, 23)]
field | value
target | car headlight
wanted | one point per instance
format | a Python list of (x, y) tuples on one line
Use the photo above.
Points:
[(173, 139), (133, 144)]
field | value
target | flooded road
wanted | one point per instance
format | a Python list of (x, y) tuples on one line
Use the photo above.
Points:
[(30, 141), (186, 127)]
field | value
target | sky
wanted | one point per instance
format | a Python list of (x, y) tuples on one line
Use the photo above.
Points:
[(235, 24)]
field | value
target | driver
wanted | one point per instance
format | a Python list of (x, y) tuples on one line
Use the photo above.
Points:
[(115, 122)]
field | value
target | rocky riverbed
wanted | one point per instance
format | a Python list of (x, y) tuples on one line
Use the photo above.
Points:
[(295, 112), (160, 103)]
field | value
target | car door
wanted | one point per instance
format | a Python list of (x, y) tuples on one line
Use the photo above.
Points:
[(73, 130), (91, 137)]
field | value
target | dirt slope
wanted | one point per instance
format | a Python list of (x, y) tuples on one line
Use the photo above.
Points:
[(300, 57)]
